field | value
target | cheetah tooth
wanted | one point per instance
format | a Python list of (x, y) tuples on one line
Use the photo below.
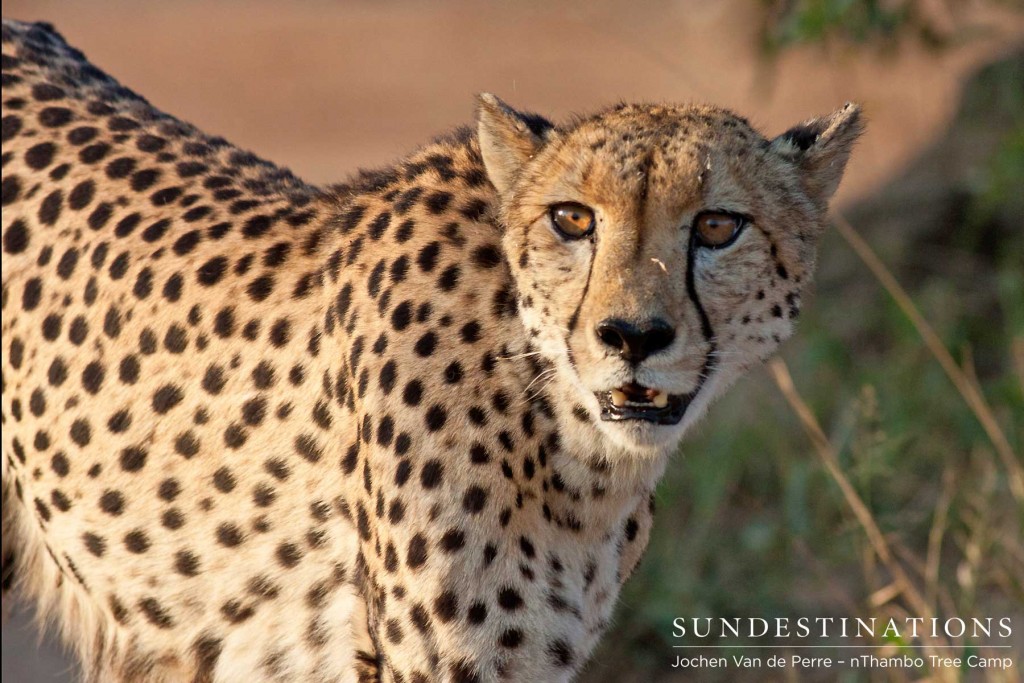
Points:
[(660, 400), (618, 398)]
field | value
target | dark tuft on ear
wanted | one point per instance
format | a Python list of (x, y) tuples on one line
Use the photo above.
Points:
[(508, 139), (802, 136), (537, 124), (821, 147)]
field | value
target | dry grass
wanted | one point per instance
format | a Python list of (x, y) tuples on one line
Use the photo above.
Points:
[(911, 586), (963, 383), (902, 585)]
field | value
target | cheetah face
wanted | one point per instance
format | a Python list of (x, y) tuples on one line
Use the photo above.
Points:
[(659, 251)]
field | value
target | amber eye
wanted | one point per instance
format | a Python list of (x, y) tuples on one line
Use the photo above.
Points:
[(572, 220), (716, 229)]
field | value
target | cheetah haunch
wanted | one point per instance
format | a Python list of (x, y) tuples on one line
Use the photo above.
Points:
[(403, 429)]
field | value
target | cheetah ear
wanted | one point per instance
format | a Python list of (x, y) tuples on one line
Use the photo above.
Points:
[(820, 148), (508, 139)]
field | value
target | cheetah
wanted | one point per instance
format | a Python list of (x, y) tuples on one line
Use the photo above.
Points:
[(405, 428)]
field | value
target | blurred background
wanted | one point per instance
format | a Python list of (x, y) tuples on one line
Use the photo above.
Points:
[(751, 521)]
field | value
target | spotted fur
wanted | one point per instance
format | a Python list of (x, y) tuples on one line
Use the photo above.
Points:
[(256, 430)]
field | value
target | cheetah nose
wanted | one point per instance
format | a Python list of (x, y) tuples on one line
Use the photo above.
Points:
[(635, 342)]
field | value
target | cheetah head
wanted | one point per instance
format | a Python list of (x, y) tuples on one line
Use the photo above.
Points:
[(659, 251)]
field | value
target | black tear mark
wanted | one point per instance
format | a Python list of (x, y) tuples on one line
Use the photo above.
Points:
[(705, 323), (575, 317)]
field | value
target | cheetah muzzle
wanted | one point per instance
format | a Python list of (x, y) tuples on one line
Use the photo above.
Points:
[(406, 428)]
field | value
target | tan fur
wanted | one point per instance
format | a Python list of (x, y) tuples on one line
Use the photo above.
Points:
[(256, 430)]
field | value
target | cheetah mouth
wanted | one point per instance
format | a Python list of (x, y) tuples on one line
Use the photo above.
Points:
[(635, 402)]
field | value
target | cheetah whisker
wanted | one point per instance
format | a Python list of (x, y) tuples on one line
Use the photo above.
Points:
[(544, 374), (518, 356)]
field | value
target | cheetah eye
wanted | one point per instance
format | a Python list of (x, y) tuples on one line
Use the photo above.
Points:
[(717, 229), (573, 221)]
